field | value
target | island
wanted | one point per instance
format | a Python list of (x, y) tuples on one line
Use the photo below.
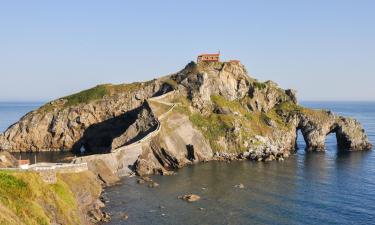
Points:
[(209, 110)]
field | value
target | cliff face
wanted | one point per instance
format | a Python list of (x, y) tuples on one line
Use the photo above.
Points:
[(238, 117), (98, 117), (212, 110)]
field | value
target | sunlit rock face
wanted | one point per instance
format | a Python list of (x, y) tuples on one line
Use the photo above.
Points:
[(219, 112)]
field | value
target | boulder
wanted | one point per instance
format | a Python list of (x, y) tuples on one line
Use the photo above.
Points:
[(190, 197)]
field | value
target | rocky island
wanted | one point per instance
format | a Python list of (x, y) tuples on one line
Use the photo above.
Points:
[(206, 111)]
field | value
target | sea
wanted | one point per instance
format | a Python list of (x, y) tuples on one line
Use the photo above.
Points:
[(331, 187)]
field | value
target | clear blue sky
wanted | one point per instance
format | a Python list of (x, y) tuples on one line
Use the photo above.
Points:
[(324, 49)]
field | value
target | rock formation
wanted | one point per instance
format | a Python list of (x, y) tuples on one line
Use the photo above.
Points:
[(206, 111), (106, 114), (7, 160)]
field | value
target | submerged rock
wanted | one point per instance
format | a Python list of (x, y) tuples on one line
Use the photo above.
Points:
[(124, 216), (240, 186), (140, 181), (153, 185), (190, 197)]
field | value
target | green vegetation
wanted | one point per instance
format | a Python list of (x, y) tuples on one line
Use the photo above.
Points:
[(315, 116), (86, 96), (26, 199), (236, 127), (62, 190), (17, 195), (319, 116), (259, 85), (12, 185), (159, 108), (289, 107), (234, 106), (99, 92), (92, 94), (171, 83), (183, 104)]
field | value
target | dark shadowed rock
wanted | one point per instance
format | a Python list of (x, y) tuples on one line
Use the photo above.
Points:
[(206, 111)]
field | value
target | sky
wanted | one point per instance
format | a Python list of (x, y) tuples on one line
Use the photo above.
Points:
[(323, 49)]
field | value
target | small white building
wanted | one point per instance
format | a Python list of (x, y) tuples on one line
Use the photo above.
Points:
[(24, 164)]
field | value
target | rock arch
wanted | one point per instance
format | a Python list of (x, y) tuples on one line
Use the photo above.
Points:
[(349, 133)]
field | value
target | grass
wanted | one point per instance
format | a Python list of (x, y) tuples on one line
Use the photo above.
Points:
[(19, 197), (218, 126), (289, 107), (214, 127), (259, 85), (318, 116), (12, 186), (313, 114), (32, 201), (64, 193), (234, 106), (98, 92), (247, 124), (237, 127), (171, 83), (86, 96), (93, 94), (159, 108)]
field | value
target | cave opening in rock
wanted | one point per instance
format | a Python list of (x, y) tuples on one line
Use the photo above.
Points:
[(331, 141), (190, 152), (321, 143), (300, 142)]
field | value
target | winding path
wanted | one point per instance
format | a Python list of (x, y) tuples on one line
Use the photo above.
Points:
[(158, 127), (128, 154)]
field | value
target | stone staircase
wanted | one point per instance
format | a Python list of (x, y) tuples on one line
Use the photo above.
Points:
[(122, 159)]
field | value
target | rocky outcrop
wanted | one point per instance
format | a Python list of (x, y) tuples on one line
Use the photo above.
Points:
[(239, 117), (215, 111), (60, 124), (178, 144), (7, 160), (349, 133), (118, 131), (87, 190), (207, 79)]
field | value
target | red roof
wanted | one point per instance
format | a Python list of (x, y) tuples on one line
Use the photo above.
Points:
[(23, 162), (217, 54)]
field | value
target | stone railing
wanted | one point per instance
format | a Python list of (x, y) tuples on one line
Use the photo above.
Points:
[(47, 171), (118, 159), (162, 96), (158, 128), (58, 167)]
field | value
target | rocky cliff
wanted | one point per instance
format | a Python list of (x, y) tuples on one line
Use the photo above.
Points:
[(103, 117), (212, 110)]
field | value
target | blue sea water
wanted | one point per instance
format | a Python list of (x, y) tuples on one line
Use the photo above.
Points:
[(11, 112), (332, 187)]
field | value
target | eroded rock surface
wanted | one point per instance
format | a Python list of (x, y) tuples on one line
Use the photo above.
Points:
[(211, 111), (7, 160), (102, 114)]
